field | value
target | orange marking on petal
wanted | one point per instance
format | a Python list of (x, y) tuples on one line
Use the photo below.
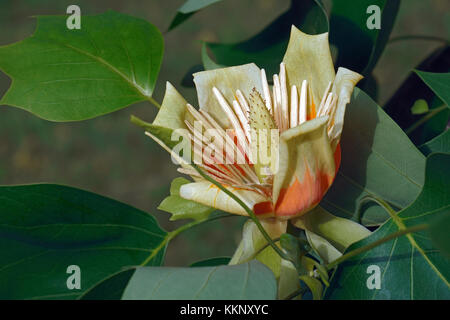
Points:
[(312, 114), (299, 197), (263, 208)]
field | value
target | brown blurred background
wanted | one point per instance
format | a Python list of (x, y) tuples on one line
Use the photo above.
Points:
[(109, 156)]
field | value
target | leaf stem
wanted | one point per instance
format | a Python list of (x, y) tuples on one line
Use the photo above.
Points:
[(372, 245), (247, 209), (154, 102), (425, 118)]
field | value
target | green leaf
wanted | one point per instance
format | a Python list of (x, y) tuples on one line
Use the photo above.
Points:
[(412, 89), (248, 281), (212, 262), (359, 47), (410, 266), (181, 208), (420, 107), (68, 75), (268, 47), (176, 185), (377, 159), (110, 288), (439, 233), (208, 63), (188, 9), (45, 228), (439, 144), (438, 82)]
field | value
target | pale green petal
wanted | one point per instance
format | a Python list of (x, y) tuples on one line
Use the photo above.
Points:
[(308, 58), (306, 168), (251, 247), (340, 232), (253, 241), (288, 282), (173, 110), (227, 80), (208, 194), (343, 86), (322, 247)]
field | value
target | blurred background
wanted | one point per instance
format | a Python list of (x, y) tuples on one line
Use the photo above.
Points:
[(112, 157)]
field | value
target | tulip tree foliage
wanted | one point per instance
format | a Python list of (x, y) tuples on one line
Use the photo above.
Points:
[(357, 211)]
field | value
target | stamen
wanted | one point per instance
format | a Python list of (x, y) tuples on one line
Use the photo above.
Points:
[(244, 122), (243, 102), (303, 100), (229, 112), (231, 145), (327, 105), (277, 100), (284, 98), (294, 106), (266, 91), (324, 97), (198, 116)]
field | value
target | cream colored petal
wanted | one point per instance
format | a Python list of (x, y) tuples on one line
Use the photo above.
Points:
[(253, 241), (308, 58), (340, 232), (254, 246), (343, 86), (173, 110), (208, 194), (322, 247), (227, 80), (288, 282), (306, 168), (251, 247)]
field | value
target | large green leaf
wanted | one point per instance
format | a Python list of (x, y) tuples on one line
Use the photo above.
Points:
[(359, 47), (439, 83), (249, 281), (188, 9), (439, 144), (377, 159), (439, 233), (111, 288), (67, 75), (267, 48), (411, 267), (46, 228)]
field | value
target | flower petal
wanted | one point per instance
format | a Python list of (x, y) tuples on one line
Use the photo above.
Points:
[(173, 110), (252, 247), (227, 80), (288, 282), (322, 247), (253, 241), (340, 232), (343, 86), (306, 168), (308, 58), (210, 195)]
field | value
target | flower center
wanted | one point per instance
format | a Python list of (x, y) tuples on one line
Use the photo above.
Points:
[(253, 121)]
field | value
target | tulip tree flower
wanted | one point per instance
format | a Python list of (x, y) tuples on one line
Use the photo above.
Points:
[(306, 105)]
